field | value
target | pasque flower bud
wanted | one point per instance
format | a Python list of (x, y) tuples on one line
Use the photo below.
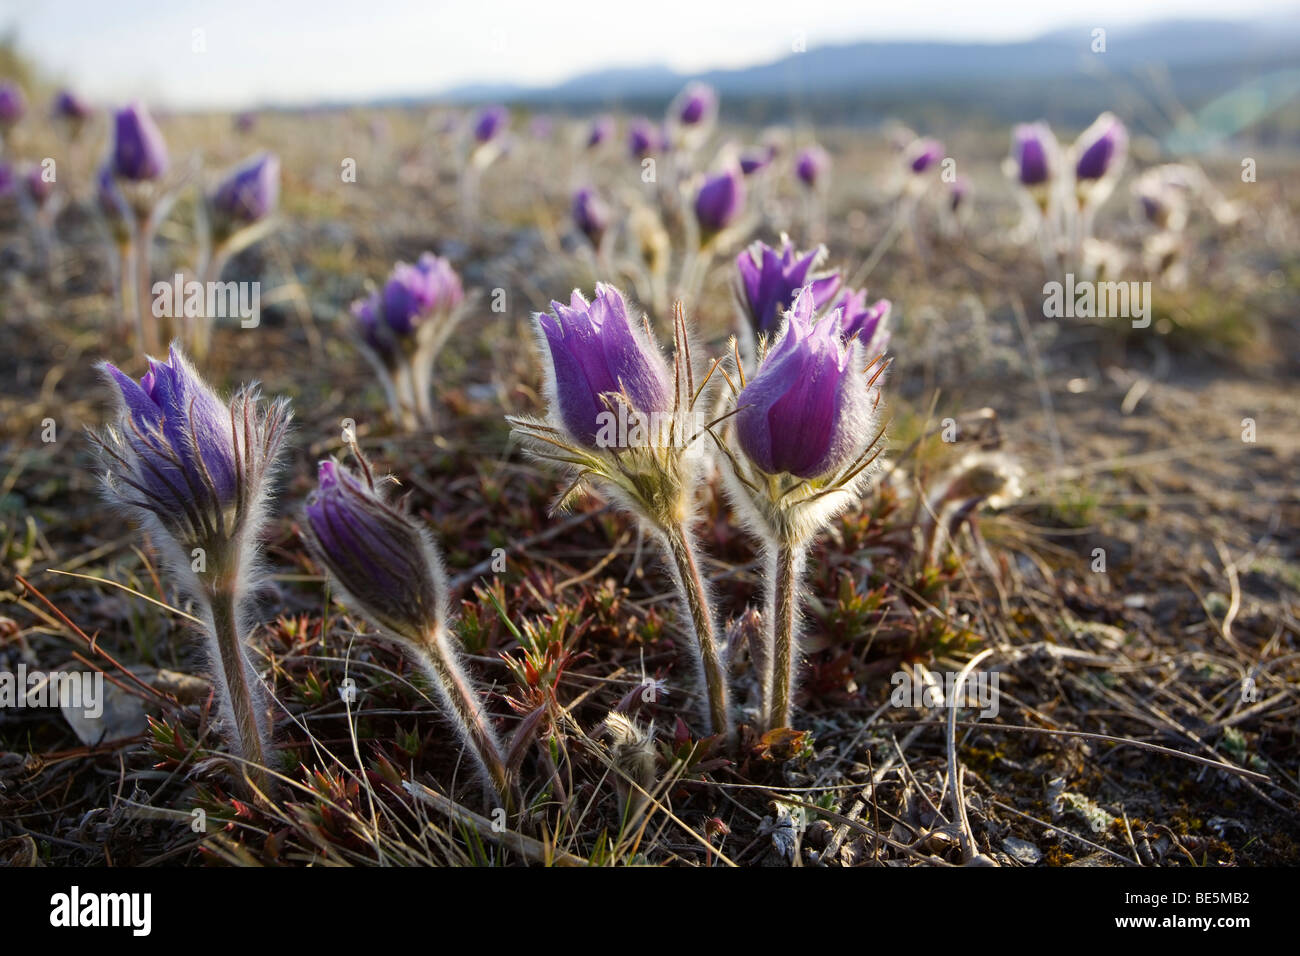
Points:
[(697, 104), (622, 421), (413, 293), (602, 129), (69, 106), (599, 358), (139, 151), (923, 154), (404, 326), (807, 410), (13, 103), (756, 160), (490, 122), (802, 437), (249, 193), (643, 138), (38, 187), (591, 215), (811, 165), (179, 452), (380, 557), (386, 566), (1100, 148), (1033, 154), (195, 471), (720, 201)]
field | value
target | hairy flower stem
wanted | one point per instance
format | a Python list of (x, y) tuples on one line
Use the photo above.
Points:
[(682, 549), (150, 340), (240, 680), (127, 287), (460, 699), (789, 561)]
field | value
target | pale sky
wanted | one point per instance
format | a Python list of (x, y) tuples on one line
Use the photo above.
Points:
[(295, 51)]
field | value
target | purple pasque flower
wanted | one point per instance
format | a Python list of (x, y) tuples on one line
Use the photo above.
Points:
[(1100, 148), (869, 324), (490, 122), (811, 165), (590, 214), (807, 409), (1033, 153), (602, 129), (697, 104), (770, 279), (597, 353), (177, 451), (249, 193), (756, 160), (38, 187), (720, 201), (139, 151), (378, 555), (923, 154), (415, 292), (643, 138), (13, 103), (69, 106)]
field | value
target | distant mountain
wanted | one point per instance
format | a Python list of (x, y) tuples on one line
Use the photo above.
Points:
[(1057, 74)]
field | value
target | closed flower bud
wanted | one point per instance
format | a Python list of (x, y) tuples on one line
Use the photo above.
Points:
[(756, 160), (386, 565), (1100, 148), (1033, 154), (13, 103), (181, 453), (811, 165), (139, 151), (923, 154), (38, 187), (195, 471), (591, 215), (770, 279), (596, 354), (69, 106), (378, 555), (250, 192), (643, 138), (807, 411), (697, 104), (490, 122), (602, 129), (720, 201)]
